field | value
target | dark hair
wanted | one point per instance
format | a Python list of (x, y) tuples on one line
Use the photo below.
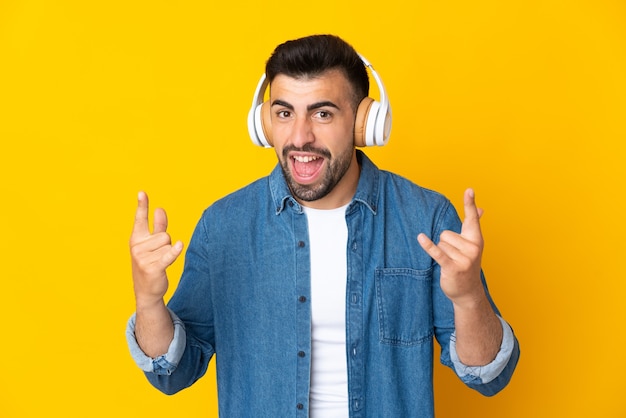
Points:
[(312, 55)]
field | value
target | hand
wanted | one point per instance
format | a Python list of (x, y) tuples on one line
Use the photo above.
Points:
[(151, 254), (459, 256)]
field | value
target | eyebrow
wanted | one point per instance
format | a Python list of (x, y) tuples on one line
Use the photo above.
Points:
[(312, 106)]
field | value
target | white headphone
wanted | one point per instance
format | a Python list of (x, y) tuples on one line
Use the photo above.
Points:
[(372, 125)]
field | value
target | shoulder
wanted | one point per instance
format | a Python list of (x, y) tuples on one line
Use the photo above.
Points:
[(240, 204), (413, 204), (258, 189), (396, 186), (385, 189)]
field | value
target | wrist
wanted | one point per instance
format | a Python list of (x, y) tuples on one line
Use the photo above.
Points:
[(149, 304), (471, 302)]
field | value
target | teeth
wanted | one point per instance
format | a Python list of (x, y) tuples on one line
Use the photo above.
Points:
[(305, 159)]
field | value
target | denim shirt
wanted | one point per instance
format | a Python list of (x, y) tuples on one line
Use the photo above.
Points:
[(245, 296)]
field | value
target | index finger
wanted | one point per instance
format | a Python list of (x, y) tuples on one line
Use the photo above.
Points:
[(141, 215), (471, 223)]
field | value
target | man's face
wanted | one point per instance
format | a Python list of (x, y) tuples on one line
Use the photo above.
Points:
[(313, 131)]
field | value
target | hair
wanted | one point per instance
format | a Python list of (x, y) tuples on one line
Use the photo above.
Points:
[(313, 55)]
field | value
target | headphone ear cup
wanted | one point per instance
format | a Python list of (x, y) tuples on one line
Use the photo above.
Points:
[(260, 125), (361, 122), (266, 124), (383, 125)]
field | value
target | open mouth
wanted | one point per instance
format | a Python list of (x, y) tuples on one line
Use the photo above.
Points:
[(306, 168)]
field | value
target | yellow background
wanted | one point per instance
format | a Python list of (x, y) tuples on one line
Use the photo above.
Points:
[(523, 100)]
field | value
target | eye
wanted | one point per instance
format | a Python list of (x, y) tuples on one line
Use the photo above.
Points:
[(283, 114), (323, 115)]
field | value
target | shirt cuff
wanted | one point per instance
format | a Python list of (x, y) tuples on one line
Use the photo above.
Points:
[(490, 371), (166, 363)]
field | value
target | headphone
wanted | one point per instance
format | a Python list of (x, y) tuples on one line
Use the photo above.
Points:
[(372, 125)]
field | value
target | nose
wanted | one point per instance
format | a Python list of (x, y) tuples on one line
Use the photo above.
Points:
[(302, 132)]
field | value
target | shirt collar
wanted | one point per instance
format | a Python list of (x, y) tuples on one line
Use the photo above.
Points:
[(366, 192)]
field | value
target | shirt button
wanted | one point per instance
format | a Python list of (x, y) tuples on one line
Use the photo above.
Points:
[(300, 406), (300, 244), (302, 299), (301, 354)]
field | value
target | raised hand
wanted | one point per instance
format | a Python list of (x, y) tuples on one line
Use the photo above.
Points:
[(151, 253), (459, 256)]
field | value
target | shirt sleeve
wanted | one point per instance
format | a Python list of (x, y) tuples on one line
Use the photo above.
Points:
[(490, 371), (166, 363)]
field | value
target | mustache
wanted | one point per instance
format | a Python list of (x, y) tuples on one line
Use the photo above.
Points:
[(306, 148)]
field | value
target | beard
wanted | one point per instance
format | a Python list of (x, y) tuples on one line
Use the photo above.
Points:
[(336, 168)]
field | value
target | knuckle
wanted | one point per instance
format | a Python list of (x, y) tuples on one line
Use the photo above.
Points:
[(162, 238), (132, 241), (445, 235), (142, 265), (475, 251), (135, 251)]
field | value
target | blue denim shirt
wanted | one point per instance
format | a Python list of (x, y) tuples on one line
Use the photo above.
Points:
[(245, 296)]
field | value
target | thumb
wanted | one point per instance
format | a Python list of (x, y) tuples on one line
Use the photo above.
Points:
[(173, 253)]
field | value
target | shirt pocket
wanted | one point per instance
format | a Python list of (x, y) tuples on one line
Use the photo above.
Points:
[(405, 313)]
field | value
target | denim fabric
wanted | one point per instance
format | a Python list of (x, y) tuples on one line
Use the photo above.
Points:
[(166, 363), (245, 296)]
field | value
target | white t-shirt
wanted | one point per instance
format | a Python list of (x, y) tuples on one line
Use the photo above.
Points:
[(328, 234)]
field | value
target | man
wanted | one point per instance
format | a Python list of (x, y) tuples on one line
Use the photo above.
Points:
[(318, 288)]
